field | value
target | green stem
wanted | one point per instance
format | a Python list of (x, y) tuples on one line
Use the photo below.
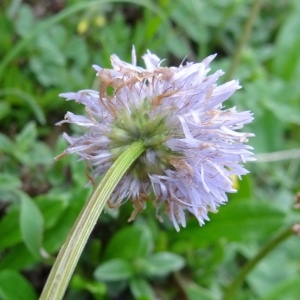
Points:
[(70, 252), (243, 40), (239, 279)]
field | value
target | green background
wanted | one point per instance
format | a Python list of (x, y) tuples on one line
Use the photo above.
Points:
[(48, 47)]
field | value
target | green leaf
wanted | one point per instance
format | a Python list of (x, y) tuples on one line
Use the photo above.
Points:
[(5, 144), (114, 270), (26, 137), (244, 188), (191, 29), (239, 220), (17, 258), (196, 292), (49, 51), (269, 132), (177, 45), (98, 289), (278, 267), (288, 289), (52, 207), (9, 229), (162, 263), (284, 112), (32, 225), (129, 243), (58, 34), (15, 286), (286, 56), (55, 236), (5, 110), (9, 182), (141, 289), (39, 154), (25, 21), (26, 100), (77, 51)]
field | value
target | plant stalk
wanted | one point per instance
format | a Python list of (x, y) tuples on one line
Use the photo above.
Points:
[(243, 40), (71, 250), (250, 265)]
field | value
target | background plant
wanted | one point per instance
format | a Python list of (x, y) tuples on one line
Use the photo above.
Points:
[(40, 199)]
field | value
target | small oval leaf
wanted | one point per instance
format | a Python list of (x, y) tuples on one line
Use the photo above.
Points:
[(129, 243), (31, 224), (162, 263), (141, 289), (15, 286), (114, 270)]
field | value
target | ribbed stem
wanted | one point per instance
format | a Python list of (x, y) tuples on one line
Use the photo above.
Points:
[(70, 252)]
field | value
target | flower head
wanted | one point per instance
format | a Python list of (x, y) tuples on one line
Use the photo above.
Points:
[(192, 143)]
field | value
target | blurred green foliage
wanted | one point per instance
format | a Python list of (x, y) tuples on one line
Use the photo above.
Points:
[(48, 47)]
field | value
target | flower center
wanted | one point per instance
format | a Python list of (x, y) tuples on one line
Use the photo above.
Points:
[(145, 124)]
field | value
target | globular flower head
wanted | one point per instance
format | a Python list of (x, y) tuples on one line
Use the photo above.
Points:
[(192, 144)]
